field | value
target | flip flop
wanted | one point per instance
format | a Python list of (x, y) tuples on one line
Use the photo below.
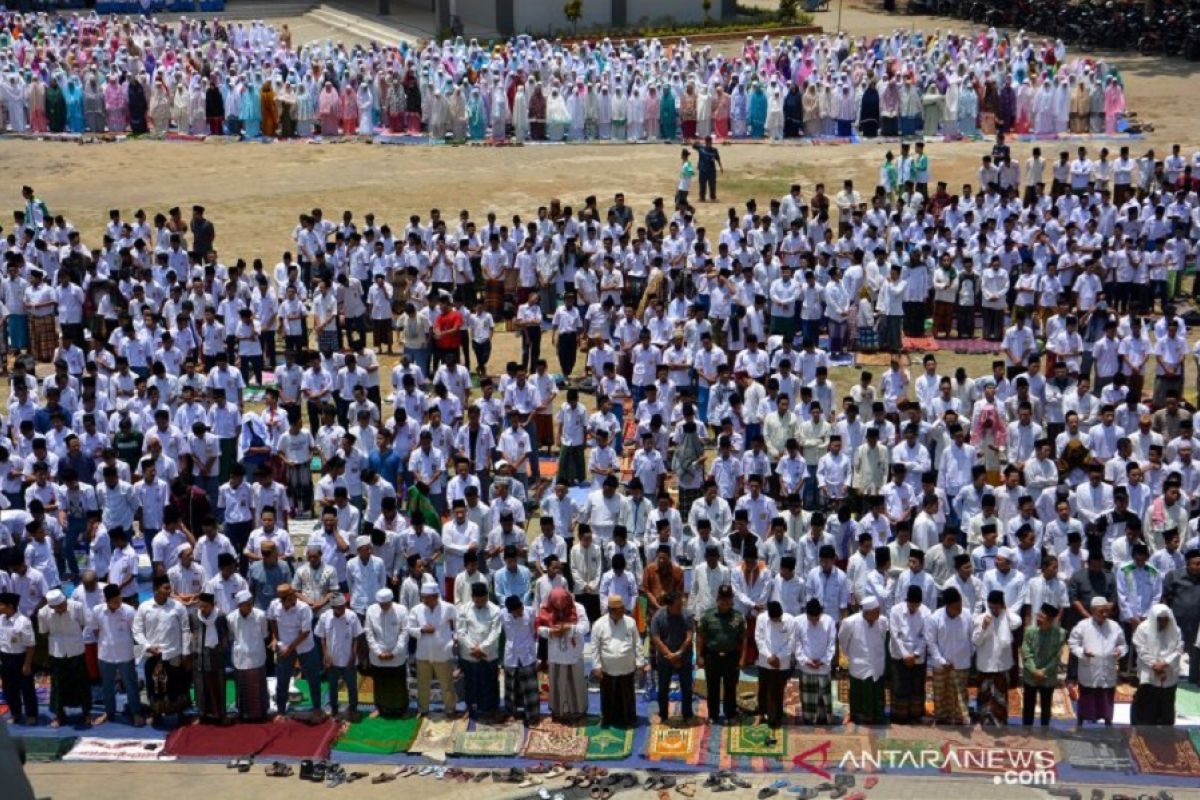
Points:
[(650, 783), (664, 794), (686, 789), (767, 791), (738, 782), (384, 777), (803, 792), (724, 786), (529, 783), (355, 776), (629, 780), (872, 782), (278, 769), (666, 782)]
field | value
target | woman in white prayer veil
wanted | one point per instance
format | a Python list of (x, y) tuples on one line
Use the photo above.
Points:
[(1043, 109), (197, 96), (651, 106), (576, 101), (620, 114), (439, 111), (520, 115), (558, 117), (366, 109), (306, 108), (704, 109), (826, 110), (591, 112), (12, 92), (604, 114), (180, 117), (774, 112), (93, 104), (950, 120), (637, 115), (499, 112), (811, 105), (458, 114), (1062, 105), (160, 104)]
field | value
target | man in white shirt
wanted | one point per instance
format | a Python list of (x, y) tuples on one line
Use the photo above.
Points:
[(948, 640), (248, 634), (862, 638), (161, 627), (992, 634), (432, 622), (338, 631), (112, 622), (292, 640), (386, 631), (63, 622)]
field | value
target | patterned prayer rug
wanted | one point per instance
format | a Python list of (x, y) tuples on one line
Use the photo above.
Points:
[(379, 736), (90, 748), (1061, 706), (671, 743), (435, 737), (609, 744), (1098, 749), (756, 740), (553, 741), (922, 344), (366, 691), (489, 740), (1164, 751)]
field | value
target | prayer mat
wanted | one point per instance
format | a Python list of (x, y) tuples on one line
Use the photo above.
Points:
[(1164, 751), (1194, 735), (1094, 749), (608, 744), (489, 740), (879, 359), (1061, 706), (230, 692), (286, 739), (90, 748), (42, 748), (1187, 702), (435, 738), (752, 740), (670, 743), (998, 759), (819, 752), (553, 741), (366, 691), (379, 736), (971, 346), (921, 344)]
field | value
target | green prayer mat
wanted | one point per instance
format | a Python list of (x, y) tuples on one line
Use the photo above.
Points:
[(489, 740), (379, 736), (43, 748), (751, 740), (608, 744), (1187, 702), (230, 693)]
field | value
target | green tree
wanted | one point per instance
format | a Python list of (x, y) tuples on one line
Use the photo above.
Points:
[(788, 9), (573, 11)]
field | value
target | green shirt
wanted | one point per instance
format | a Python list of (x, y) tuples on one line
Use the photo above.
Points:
[(1042, 649), (722, 632)]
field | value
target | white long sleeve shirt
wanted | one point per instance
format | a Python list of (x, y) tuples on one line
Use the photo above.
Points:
[(65, 629), (948, 639), (993, 640), (815, 642), (163, 626), (1105, 644), (908, 632), (114, 633), (863, 644), (387, 632), (616, 647), (439, 645), (249, 636), (775, 637)]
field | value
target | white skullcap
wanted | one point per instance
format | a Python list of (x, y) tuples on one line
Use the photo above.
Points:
[(428, 589), (1006, 553), (55, 597), (870, 604), (383, 596), (243, 596), (1098, 602)]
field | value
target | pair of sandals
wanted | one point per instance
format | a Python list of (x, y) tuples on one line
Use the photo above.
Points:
[(242, 764), (279, 769)]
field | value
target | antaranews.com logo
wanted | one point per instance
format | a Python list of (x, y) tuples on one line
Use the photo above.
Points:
[(1008, 767)]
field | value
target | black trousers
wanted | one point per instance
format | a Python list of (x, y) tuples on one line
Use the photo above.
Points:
[(531, 347), (708, 185), (770, 694), (18, 689), (721, 671), (1033, 695), (568, 351)]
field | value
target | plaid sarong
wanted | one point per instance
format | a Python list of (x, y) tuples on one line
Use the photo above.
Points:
[(43, 337), (521, 690), (327, 340), (253, 701), (816, 699), (950, 696), (686, 498)]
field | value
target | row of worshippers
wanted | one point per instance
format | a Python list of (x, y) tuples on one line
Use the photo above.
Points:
[(196, 78)]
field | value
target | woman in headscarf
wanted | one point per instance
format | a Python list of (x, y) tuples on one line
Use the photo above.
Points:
[(252, 108), (268, 110), (160, 105), (12, 92), (704, 109), (812, 113), (198, 107), (93, 105), (116, 105), (721, 105), (476, 122), (950, 121), (988, 105), (620, 114), (412, 102), (637, 115), (287, 111), (868, 115), (934, 106), (687, 113), (793, 113), (653, 111), (56, 107), (457, 113), (214, 109), (968, 109), (366, 109), (564, 625), (827, 109), (889, 109), (394, 106), (35, 100), (73, 94), (1114, 105), (989, 435), (537, 114), (520, 114), (604, 114), (757, 115), (137, 107), (499, 121), (329, 109), (774, 123), (1024, 117), (349, 109), (179, 108), (738, 111), (306, 109), (1006, 111), (576, 100), (910, 108), (558, 118), (1158, 646)]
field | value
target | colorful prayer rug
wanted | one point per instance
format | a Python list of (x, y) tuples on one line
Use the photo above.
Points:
[(1093, 749), (671, 743), (435, 738), (90, 748), (1164, 751), (1061, 706), (489, 740), (608, 744), (553, 741), (971, 346), (879, 359), (379, 736), (757, 740), (921, 344), (366, 691)]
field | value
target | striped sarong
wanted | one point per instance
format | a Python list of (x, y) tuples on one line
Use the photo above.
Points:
[(494, 298), (950, 696), (253, 702)]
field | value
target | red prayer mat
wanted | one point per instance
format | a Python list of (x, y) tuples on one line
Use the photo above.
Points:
[(288, 739)]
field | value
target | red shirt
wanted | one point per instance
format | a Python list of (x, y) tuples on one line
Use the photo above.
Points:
[(452, 320)]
